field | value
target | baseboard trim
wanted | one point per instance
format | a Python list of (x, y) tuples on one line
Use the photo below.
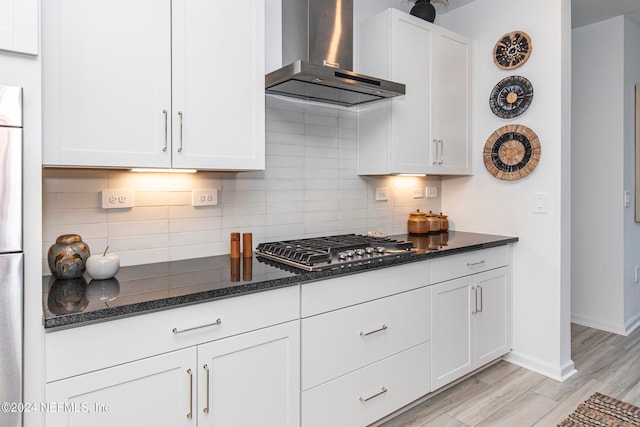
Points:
[(614, 328), (558, 373)]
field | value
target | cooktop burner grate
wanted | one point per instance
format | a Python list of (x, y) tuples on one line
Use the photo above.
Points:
[(339, 251)]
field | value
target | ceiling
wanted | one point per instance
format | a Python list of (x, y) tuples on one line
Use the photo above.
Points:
[(583, 12)]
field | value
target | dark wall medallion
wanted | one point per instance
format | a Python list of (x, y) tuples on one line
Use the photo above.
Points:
[(511, 97), (512, 152), (512, 50)]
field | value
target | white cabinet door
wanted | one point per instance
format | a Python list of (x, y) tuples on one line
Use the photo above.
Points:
[(218, 84), (450, 140), (154, 83), (19, 26), (107, 82), (427, 130), (471, 323), (493, 320), (157, 391), (452, 331), (251, 379)]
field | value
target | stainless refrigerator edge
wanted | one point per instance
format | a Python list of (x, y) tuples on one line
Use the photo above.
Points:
[(11, 256)]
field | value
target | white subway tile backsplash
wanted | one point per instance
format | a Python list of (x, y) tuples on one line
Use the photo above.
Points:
[(310, 187)]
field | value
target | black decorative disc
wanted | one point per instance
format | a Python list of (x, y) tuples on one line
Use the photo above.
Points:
[(512, 50), (512, 152), (511, 97)]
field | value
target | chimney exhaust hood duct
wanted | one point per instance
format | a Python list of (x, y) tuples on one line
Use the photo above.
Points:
[(317, 43)]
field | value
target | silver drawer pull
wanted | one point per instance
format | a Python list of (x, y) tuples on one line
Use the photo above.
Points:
[(472, 264), (382, 328), (179, 331), (383, 390)]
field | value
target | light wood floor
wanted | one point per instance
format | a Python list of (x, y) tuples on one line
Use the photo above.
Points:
[(510, 396)]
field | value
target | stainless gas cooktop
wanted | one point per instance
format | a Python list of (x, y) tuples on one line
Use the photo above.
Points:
[(334, 252)]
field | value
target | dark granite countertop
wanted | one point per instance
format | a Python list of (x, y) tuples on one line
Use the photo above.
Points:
[(144, 288)]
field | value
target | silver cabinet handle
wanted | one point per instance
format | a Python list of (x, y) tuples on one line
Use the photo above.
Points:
[(190, 414), (472, 264), (475, 304), (179, 331), (435, 162), (380, 329), (166, 135), (481, 304), (441, 152), (180, 140), (383, 390), (206, 408)]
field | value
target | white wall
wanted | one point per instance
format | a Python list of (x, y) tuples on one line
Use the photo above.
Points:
[(24, 70), (541, 263), (604, 292), (598, 174), (631, 228)]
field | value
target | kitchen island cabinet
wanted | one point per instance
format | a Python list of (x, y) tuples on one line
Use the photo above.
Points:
[(154, 92), (428, 130), (471, 314)]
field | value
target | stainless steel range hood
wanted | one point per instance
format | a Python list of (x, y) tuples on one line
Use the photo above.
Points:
[(317, 43)]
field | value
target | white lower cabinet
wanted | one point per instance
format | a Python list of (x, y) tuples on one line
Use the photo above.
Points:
[(471, 323), (212, 384), (154, 391), (368, 394), (251, 379)]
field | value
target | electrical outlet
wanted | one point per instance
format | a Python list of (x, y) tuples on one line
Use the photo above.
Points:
[(112, 199), (431, 192), (205, 197), (382, 194), (418, 193)]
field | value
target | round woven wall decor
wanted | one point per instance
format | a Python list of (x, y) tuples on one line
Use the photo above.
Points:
[(512, 50), (512, 152), (511, 97)]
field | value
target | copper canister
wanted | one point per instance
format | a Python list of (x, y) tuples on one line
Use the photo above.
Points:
[(444, 222), (418, 223), (434, 222)]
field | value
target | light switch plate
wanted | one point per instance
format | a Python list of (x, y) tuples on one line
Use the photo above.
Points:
[(541, 203), (431, 192), (418, 193)]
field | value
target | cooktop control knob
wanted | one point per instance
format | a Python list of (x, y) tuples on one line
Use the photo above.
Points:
[(360, 252), (380, 249), (350, 253), (342, 255), (368, 250)]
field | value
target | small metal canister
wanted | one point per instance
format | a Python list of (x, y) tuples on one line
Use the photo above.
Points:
[(444, 222), (434, 222)]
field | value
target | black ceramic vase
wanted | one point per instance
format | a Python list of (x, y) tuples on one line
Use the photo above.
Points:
[(424, 9)]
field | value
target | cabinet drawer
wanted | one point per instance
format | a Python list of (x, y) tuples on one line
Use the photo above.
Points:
[(342, 341), (453, 266), (118, 341), (366, 395), (332, 294)]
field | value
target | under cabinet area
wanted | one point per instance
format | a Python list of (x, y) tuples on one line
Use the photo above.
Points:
[(428, 130), (141, 83), (471, 314)]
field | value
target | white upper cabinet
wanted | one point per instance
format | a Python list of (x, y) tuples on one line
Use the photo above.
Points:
[(19, 26), (153, 83), (428, 130)]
